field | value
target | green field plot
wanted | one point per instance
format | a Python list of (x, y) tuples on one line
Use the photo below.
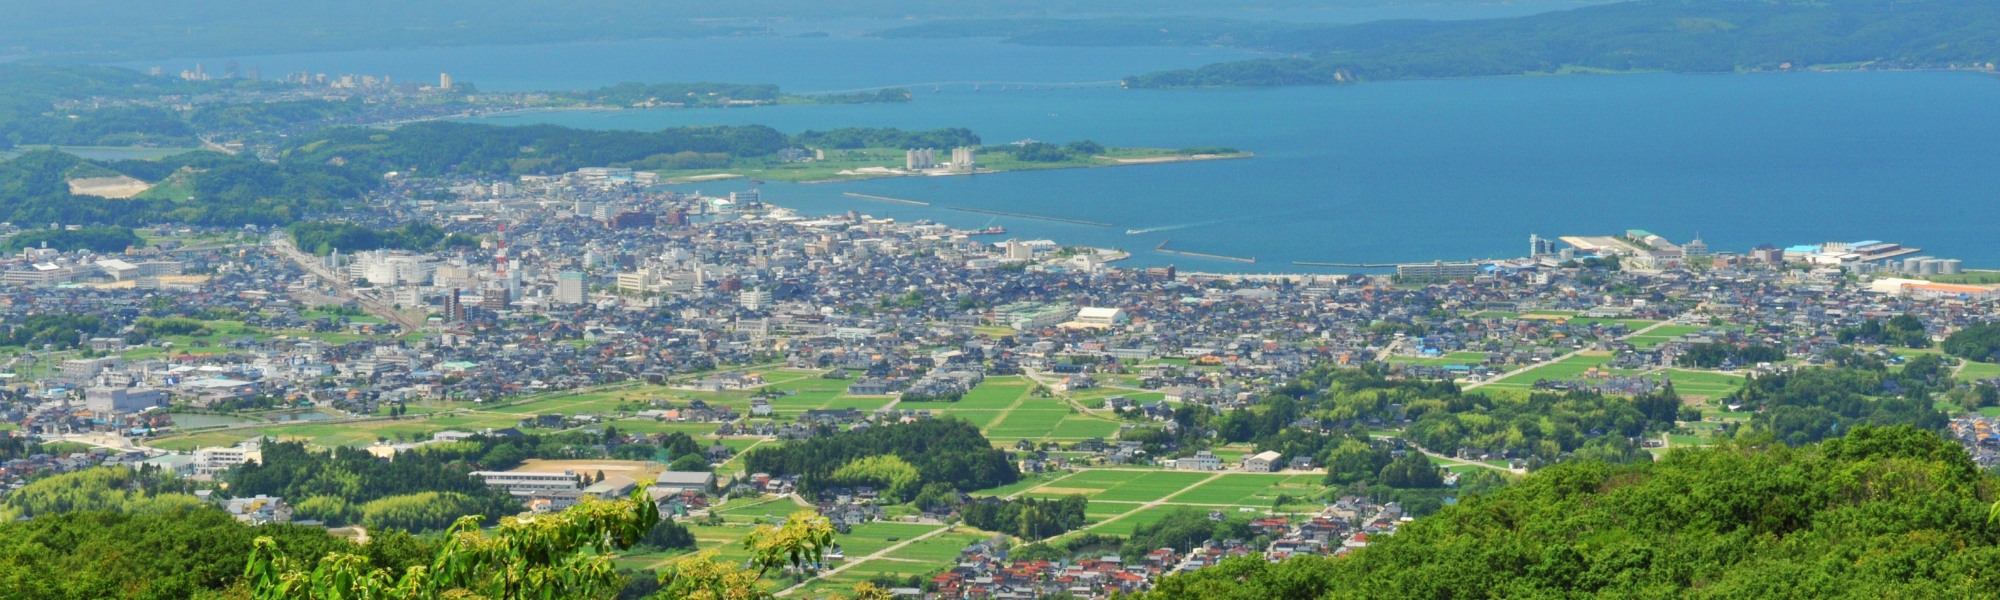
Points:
[(1025, 423), (1124, 526), (1152, 486), (1027, 482), (1630, 324), (1089, 483), (1564, 369), (1081, 427), (869, 538), (1454, 358), (1973, 371), (1250, 489), (993, 393), (941, 549), (863, 403), (768, 509), (204, 440), (979, 418), (1100, 511), (1661, 335), (1702, 383)]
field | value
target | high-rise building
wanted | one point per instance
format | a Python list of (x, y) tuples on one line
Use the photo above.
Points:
[(1019, 251), (1540, 246), (444, 81), (754, 299), (1695, 248), (569, 287)]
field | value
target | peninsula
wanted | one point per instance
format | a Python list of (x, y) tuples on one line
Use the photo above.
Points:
[(1694, 36)]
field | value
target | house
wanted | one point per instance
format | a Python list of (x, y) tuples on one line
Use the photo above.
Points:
[(1201, 461), (1264, 462), (868, 386)]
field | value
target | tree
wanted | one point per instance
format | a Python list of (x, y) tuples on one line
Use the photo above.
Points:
[(690, 462), (1751, 519), (564, 555), (1978, 342)]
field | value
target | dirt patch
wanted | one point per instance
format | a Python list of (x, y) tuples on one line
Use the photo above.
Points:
[(108, 187)]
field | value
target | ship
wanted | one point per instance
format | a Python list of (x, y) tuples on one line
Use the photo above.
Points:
[(995, 230)]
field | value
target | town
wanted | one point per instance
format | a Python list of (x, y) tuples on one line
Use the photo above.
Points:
[(600, 306)]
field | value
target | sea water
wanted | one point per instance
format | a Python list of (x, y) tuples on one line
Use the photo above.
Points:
[(1372, 173), (1454, 169)]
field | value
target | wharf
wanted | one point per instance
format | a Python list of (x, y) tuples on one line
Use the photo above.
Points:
[(1162, 248), (888, 199)]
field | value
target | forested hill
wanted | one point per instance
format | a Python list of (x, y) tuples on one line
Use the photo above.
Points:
[(1881, 513), (1687, 36)]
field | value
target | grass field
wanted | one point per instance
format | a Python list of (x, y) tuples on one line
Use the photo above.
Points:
[(1703, 383), (1564, 369), (1978, 370), (940, 549), (1663, 334), (1249, 489)]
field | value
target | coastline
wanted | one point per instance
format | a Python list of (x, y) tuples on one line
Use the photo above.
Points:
[(1118, 162)]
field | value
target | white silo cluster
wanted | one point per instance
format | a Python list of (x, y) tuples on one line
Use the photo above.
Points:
[(1926, 265), (920, 159)]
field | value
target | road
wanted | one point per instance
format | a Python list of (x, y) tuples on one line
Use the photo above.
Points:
[(312, 265), (851, 561)]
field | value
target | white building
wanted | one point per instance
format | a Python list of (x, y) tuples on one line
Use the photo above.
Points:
[(118, 399), (390, 268), (209, 461), (526, 483), (1264, 462), (1201, 461), (569, 288), (1100, 317), (754, 299)]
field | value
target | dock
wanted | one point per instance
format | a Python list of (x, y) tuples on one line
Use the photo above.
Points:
[(1022, 216), (888, 199), (1162, 248)]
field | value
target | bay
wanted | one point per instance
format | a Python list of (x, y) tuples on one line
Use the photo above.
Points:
[(1453, 169), (1378, 172)]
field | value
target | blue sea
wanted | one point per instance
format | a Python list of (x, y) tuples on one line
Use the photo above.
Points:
[(1377, 172)]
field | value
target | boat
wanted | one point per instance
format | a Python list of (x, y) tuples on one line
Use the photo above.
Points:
[(756, 182), (995, 230)]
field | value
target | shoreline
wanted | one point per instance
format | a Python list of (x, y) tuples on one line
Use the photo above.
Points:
[(1119, 162), (1799, 71)]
